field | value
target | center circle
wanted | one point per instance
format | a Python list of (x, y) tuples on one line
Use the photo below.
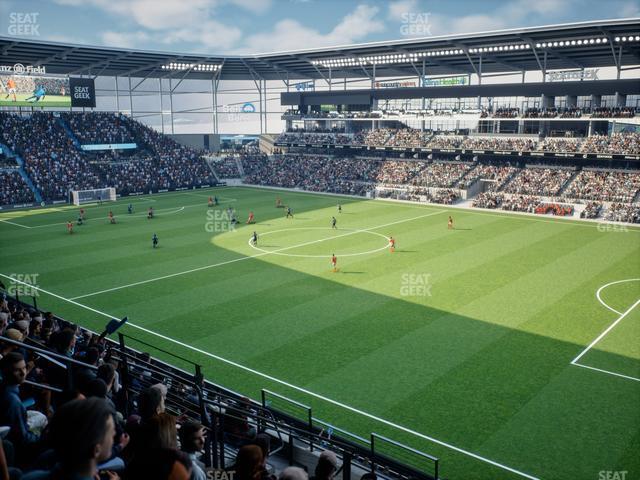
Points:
[(282, 251)]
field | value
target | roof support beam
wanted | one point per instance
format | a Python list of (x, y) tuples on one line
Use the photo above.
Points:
[(100, 63)]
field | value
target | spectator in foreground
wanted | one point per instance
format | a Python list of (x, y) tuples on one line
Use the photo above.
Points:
[(249, 463), (12, 411), (327, 466), (293, 473), (192, 438), (82, 433)]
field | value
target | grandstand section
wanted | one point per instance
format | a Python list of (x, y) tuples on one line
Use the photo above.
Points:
[(400, 260)]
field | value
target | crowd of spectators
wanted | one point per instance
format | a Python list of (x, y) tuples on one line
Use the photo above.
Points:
[(13, 189), (227, 166), (506, 112), (591, 210), (98, 128), (56, 165), (442, 174), (539, 181), (613, 112), (555, 144), (488, 200), (53, 163), (398, 172), (620, 143), (605, 186), (558, 209), (497, 175), (499, 143), (324, 138), (535, 112), (409, 138), (352, 176), (520, 203), (623, 212)]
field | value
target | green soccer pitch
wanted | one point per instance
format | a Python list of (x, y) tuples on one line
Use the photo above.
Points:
[(509, 346)]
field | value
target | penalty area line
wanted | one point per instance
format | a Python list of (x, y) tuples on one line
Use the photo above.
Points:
[(13, 223), (607, 330), (290, 385)]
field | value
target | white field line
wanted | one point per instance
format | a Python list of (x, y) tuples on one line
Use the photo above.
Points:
[(219, 264), (607, 330), (606, 371), (613, 283), (289, 385), (13, 223)]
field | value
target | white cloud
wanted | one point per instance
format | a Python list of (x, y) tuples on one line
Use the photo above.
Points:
[(259, 6), (123, 39), (629, 10), (290, 34), (507, 15), (398, 9), (162, 14)]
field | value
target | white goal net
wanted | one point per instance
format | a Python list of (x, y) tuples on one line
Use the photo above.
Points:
[(79, 197)]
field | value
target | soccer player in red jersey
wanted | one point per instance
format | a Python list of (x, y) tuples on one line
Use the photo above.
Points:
[(334, 262), (250, 219), (210, 202), (82, 214), (112, 219), (392, 244), (69, 227), (450, 223)]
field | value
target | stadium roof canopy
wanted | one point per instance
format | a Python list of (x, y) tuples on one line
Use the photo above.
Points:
[(568, 46)]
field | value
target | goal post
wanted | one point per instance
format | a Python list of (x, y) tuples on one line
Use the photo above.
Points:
[(80, 197)]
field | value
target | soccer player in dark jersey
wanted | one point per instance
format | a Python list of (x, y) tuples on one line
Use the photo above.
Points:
[(333, 222), (150, 213), (130, 209), (154, 240), (254, 238), (289, 212), (339, 208)]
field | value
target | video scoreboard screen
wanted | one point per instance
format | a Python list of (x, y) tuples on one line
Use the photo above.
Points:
[(20, 90)]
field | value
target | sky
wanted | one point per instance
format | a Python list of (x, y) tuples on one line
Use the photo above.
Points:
[(235, 27)]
